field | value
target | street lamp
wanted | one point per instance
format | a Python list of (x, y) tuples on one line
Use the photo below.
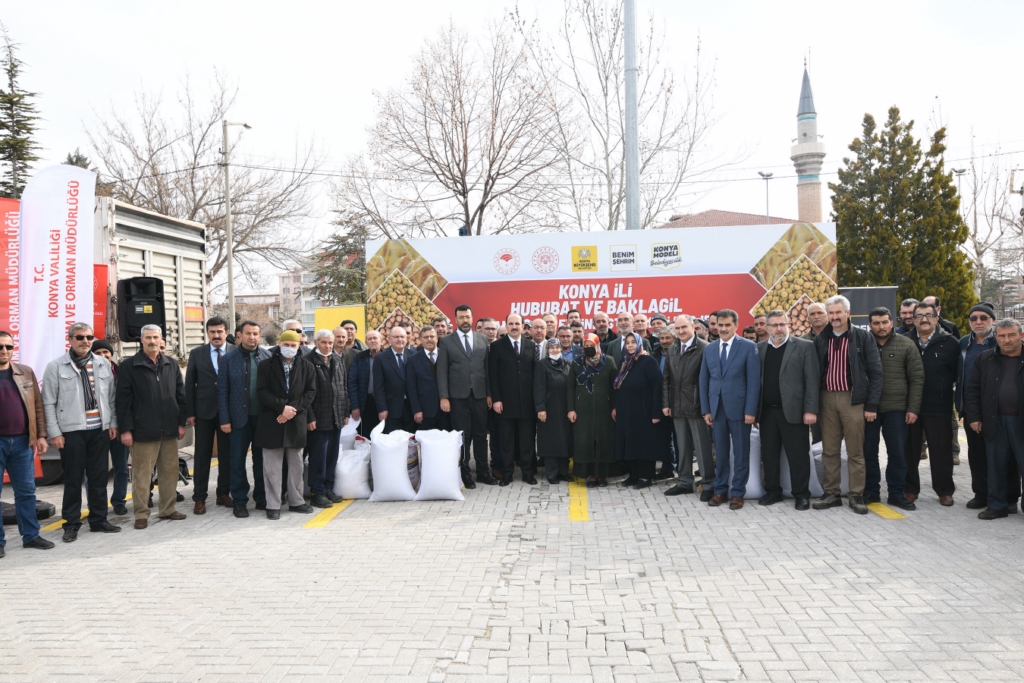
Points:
[(959, 174), (227, 225), (767, 177)]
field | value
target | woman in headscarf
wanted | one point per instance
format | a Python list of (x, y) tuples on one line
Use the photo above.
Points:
[(638, 402), (554, 431), (591, 410)]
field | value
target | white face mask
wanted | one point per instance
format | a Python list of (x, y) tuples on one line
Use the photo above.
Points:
[(288, 352), (555, 356)]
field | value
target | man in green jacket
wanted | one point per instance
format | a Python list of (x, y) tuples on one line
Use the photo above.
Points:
[(902, 387)]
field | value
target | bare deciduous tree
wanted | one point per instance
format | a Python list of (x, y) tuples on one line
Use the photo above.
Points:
[(466, 141), (674, 117), (168, 159)]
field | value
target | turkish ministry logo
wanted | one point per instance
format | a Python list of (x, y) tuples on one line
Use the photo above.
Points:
[(545, 260), (506, 261)]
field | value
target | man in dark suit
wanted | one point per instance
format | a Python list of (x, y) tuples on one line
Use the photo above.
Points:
[(510, 366), (730, 387), (389, 386), (421, 384), (462, 385), (615, 346), (201, 410), (360, 385), (789, 405)]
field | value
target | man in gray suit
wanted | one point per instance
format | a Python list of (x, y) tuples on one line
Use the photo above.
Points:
[(789, 405), (463, 388)]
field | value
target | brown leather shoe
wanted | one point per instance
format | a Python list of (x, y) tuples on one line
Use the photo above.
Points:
[(174, 516), (735, 503), (496, 474), (911, 497), (199, 508), (141, 524), (225, 501), (716, 500), (946, 500)]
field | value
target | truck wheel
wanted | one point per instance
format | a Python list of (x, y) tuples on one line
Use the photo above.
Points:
[(53, 473)]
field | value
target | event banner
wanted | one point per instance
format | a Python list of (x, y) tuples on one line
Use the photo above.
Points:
[(10, 245), (56, 259), (752, 269)]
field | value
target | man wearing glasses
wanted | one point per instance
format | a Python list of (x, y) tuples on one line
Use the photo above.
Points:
[(79, 404), (982, 338), (940, 352)]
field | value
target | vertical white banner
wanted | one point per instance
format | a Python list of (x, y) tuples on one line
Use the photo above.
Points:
[(56, 260)]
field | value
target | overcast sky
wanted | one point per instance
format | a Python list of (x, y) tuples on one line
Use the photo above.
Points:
[(309, 69)]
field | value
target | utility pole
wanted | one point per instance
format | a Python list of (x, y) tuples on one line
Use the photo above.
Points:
[(632, 134), (767, 214), (227, 226)]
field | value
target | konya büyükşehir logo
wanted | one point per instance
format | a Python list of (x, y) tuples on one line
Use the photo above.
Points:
[(584, 259)]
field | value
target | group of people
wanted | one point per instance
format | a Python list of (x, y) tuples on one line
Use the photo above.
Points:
[(683, 393)]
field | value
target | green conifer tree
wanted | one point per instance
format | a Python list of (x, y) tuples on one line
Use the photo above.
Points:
[(17, 124), (898, 220)]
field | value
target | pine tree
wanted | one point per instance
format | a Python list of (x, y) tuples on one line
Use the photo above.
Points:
[(898, 220), (17, 124), (341, 264), (76, 158)]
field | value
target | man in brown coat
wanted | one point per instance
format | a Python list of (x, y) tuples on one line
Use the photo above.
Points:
[(22, 426)]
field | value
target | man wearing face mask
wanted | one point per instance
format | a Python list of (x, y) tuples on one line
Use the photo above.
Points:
[(285, 388), (327, 415)]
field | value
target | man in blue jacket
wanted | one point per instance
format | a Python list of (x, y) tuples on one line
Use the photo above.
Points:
[(730, 390), (238, 409)]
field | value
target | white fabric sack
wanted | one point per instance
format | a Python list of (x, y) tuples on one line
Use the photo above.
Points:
[(813, 483), (755, 487), (844, 468), (389, 462), (440, 477), (352, 474), (348, 434)]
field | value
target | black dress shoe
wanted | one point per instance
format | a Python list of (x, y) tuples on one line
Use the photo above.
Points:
[(2, 551), (770, 499), (664, 474), (273, 514), (120, 510), (39, 543), (977, 503), (643, 483), (486, 479), (261, 506), (803, 504), (628, 482), (591, 483), (602, 481), (178, 497), (105, 528), (240, 511), (988, 513), (333, 497), (872, 498), (564, 477), (304, 509), (467, 480), (529, 479), (678, 490), (706, 495), (901, 503), (70, 535), (504, 482), (553, 482), (319, 501)]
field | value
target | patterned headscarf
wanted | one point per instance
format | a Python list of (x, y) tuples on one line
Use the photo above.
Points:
[(590, 366), (628, 360)]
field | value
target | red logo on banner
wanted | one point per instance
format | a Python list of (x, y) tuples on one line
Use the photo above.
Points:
[(545, 260), (506, 261)]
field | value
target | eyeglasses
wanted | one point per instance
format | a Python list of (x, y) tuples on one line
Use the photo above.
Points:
[(80, 337), (7, 347), (922, 316), (980, 318)]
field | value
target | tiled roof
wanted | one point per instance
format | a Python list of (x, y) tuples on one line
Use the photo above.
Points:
[(716, 218)]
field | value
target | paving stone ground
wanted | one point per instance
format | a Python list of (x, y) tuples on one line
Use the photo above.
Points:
[(503, 587)]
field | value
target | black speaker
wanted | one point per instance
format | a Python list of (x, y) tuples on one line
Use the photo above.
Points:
[(140, 301)]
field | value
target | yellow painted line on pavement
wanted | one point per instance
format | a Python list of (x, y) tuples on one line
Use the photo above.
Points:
[(579, 508), (326, 515), (884, 511)]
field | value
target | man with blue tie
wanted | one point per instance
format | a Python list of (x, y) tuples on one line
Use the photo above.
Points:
[(421, 384), (389, 386), (730, 389)]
